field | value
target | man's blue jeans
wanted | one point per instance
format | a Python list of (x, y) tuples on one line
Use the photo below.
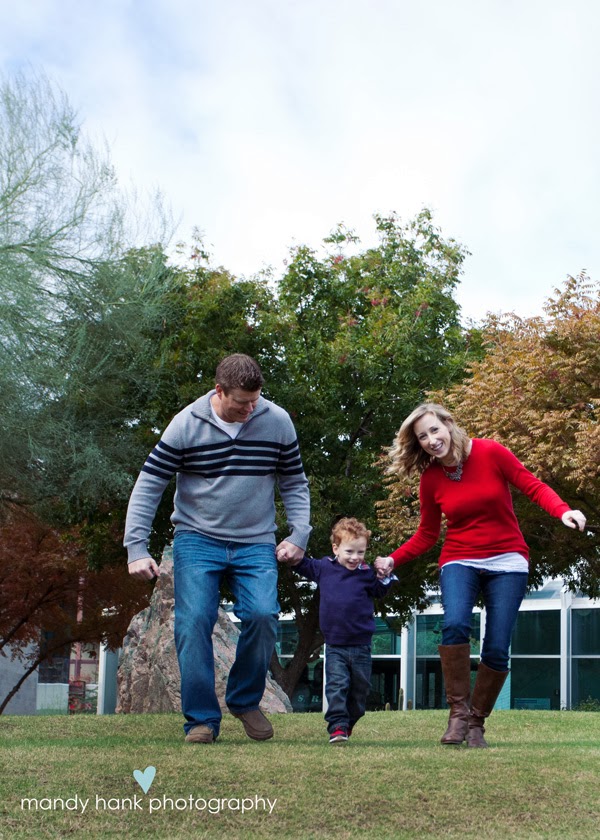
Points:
[(347, 683), (200, 564), (502, 593)]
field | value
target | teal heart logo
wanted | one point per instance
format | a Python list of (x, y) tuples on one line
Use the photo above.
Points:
[(146, 778)]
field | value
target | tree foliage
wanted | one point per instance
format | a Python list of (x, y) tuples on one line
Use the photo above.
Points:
[(82, 317), (360, 335), (537, 391), (47, 584), (82, 314), (348, 340), (103, 342)]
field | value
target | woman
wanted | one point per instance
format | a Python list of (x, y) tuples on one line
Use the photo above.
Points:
[(484, 552)]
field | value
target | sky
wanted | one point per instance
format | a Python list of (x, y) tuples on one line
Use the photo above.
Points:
[(265, 123)]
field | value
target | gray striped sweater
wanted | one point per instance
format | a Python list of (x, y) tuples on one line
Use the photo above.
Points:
[(225, 487)]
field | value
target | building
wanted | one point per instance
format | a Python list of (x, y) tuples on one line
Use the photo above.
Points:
[(555, 663), (555, 657)]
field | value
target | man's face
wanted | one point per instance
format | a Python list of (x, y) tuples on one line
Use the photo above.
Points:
[(236, 405)]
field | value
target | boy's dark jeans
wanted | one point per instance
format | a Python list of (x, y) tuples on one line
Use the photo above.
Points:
[(347, 684)]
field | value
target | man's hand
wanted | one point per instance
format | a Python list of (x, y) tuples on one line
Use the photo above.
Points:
[(145, 568), (288, 553), (384, 566)]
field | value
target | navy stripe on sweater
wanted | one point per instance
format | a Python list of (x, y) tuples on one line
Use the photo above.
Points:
[(232, 457)]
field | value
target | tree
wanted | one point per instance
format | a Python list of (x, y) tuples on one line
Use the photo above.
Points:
[(349, 341), (83, 311), (49, 598), (358, 339), (76, 308), (537, 391)]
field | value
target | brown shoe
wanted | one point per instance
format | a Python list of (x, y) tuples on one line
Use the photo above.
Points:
[(456, 668), (256, 725), (200, 735), (485, 693)]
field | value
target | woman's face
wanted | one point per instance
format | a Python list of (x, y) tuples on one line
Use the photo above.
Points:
[(434, 437)]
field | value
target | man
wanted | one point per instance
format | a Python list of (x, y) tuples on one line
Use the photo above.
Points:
[(228, 450)]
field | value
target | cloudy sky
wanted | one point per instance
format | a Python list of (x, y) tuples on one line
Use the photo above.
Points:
[(267, 122)]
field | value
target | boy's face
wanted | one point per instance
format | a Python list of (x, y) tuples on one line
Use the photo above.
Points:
[(350, 553)]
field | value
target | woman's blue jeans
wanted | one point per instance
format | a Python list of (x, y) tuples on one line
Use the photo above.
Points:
[(200, 564), (502, 593), (347, 684)]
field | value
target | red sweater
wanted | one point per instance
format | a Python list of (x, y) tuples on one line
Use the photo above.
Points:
[(478, 508)]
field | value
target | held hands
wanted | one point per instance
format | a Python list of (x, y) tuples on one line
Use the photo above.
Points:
[(384, 566), (288, 553), (144, 569), (573, 519)]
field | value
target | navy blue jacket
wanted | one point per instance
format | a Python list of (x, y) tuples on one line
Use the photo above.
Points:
[(346, 599)]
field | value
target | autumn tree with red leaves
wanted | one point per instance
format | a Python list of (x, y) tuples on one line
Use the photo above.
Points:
[(50, 600), (537, 391)]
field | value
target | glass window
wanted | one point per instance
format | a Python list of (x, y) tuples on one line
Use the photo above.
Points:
[(535, 683), (385, 685), (537, 632), (585, 681), (308, 694), (549, 589), (55, 669), (429, 684), (385, 640), (585, 626), (287, 638), (429, 634)]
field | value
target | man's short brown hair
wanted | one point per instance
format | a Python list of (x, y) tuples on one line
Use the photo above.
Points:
[(239, 371)]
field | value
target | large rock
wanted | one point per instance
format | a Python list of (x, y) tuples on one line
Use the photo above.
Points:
[(148, 677)]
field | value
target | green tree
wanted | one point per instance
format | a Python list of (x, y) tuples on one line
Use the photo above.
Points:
[(217, 314), (359, 338), (82, 318), (349, 341), (81, 314)]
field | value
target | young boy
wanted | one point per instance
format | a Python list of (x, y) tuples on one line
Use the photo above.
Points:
[(347, 587)]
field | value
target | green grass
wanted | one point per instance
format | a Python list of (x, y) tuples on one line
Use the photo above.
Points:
[(540, 779)]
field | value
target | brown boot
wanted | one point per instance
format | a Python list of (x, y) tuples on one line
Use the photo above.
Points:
[(456, 667), (485, 693)]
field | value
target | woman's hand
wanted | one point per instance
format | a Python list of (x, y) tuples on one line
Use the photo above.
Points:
[(384, 566), (573, 519)]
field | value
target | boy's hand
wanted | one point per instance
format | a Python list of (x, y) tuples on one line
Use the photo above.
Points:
[(384, 566)]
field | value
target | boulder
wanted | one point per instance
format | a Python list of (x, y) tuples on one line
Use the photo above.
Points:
[(148, 676)]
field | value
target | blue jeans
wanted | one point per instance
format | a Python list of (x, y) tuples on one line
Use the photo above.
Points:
[(347, 684), (200, 564), (502, 593)]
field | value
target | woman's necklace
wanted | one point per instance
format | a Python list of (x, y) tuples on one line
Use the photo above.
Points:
[(456, 474)]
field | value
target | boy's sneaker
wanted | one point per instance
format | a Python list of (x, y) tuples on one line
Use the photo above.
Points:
[(338, 736)]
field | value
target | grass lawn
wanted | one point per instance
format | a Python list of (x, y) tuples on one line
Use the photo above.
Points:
[(541, 778)]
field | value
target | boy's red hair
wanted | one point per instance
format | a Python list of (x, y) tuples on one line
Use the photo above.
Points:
[(349, 527)]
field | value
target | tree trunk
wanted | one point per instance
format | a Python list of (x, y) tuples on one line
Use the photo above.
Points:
[(309, 641), (18, 685), (41, 657)]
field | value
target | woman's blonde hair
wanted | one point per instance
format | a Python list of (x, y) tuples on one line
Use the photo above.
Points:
[(406, 453)]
